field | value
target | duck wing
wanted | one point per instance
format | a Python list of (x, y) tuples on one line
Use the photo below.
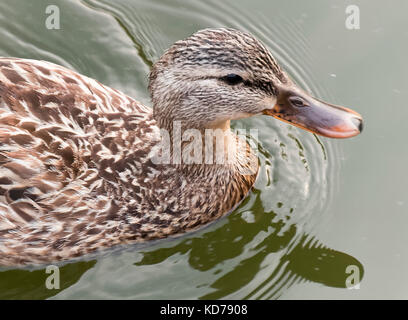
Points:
[(53, 127)]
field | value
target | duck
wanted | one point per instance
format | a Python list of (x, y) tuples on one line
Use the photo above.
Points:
[(84, 167)]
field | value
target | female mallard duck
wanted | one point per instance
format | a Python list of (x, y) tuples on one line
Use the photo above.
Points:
[(81, 164)]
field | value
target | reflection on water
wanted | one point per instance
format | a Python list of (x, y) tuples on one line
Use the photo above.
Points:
[(30, 284), (263, 248), (308, 260)]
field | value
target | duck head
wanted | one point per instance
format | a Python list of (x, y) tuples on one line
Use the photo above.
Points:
[(218, 75)]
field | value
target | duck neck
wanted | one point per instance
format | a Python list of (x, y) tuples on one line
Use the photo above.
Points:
[(205, 149)]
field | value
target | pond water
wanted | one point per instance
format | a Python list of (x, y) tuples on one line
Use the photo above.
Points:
[(318, 206)]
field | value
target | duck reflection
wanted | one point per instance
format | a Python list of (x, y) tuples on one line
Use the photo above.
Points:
[(299, 257), (30, 284)]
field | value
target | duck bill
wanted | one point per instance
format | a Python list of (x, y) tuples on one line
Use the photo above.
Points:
[(302, 110)]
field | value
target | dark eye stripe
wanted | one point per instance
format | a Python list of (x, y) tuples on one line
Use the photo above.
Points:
[(232, 79)]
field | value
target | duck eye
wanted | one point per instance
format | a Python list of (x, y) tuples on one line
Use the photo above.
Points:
[(232, 79)]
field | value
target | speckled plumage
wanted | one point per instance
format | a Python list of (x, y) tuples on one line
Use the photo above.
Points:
[(76, 173)]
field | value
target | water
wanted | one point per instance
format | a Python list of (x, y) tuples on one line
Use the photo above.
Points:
[(318, 206)]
